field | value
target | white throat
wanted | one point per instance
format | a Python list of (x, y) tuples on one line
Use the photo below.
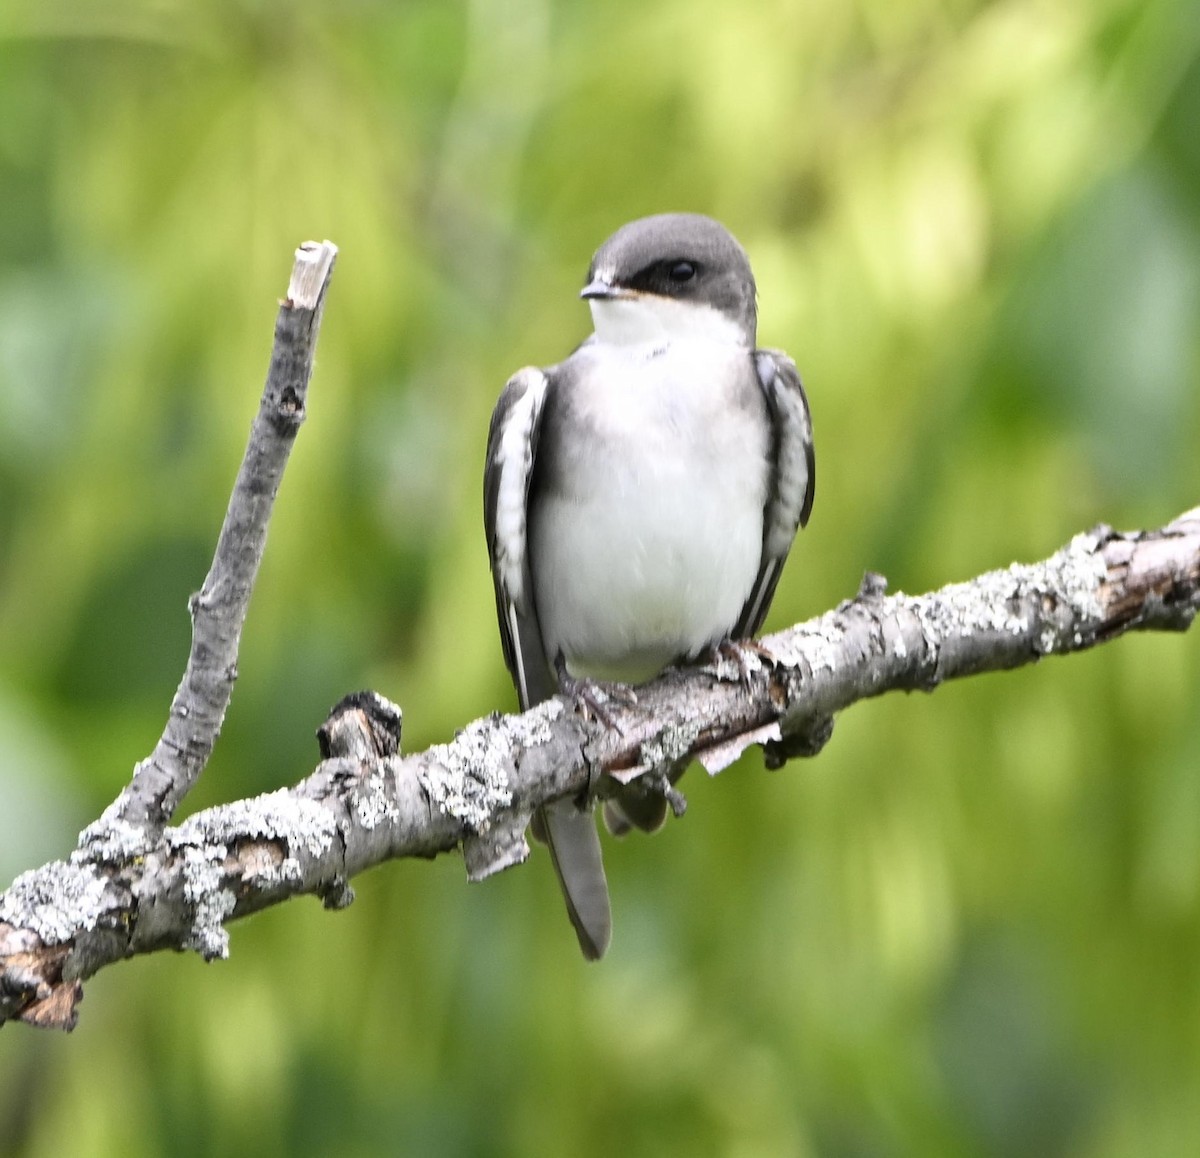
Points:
[(633, 320)]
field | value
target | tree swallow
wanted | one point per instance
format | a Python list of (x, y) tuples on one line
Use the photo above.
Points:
[(641, 496)]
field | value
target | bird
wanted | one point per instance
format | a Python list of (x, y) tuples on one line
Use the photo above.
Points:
[(641, 497)]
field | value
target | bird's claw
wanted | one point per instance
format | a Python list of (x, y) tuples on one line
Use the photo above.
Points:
[(592, 696), (747, 655)]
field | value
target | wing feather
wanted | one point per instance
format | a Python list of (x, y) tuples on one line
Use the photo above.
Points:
[(793, 478), (508, 473)]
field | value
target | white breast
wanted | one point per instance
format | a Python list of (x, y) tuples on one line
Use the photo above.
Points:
[(651, 551)]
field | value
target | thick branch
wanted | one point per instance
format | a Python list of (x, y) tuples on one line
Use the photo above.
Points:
[(365, 804)]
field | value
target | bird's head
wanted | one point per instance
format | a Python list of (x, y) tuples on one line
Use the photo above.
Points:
[(674, 275)]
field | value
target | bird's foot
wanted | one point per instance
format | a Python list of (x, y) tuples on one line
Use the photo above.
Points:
[(747, 656), (592, 697)]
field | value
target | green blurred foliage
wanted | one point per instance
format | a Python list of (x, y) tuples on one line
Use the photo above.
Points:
[(972, 925)]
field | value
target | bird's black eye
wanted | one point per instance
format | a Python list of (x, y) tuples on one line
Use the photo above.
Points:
[(681, 271)]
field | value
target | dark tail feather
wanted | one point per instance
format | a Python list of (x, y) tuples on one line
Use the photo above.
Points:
[(574, 845)]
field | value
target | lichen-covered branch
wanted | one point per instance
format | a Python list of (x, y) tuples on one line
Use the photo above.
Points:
[(365, 803), (70, 904)]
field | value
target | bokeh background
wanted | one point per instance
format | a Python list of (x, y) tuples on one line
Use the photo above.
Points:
[(972, 925)]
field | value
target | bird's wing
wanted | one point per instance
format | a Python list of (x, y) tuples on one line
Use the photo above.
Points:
[(508, 472), (793, 475), (569, 832)]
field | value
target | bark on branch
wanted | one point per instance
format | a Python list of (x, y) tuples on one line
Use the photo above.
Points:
[(134, 885)]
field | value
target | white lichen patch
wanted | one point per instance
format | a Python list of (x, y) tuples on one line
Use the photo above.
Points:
[(534, 726), (294, 824), (57, 901), (210, 901), (1009, 601), (989, 603), (112, 839), (818, 644), (1076, 574), (468, 779), (668, 746), (297, 823), (372, 802)]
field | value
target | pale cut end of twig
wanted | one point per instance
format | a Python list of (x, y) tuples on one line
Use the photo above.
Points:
[(314, 262)]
